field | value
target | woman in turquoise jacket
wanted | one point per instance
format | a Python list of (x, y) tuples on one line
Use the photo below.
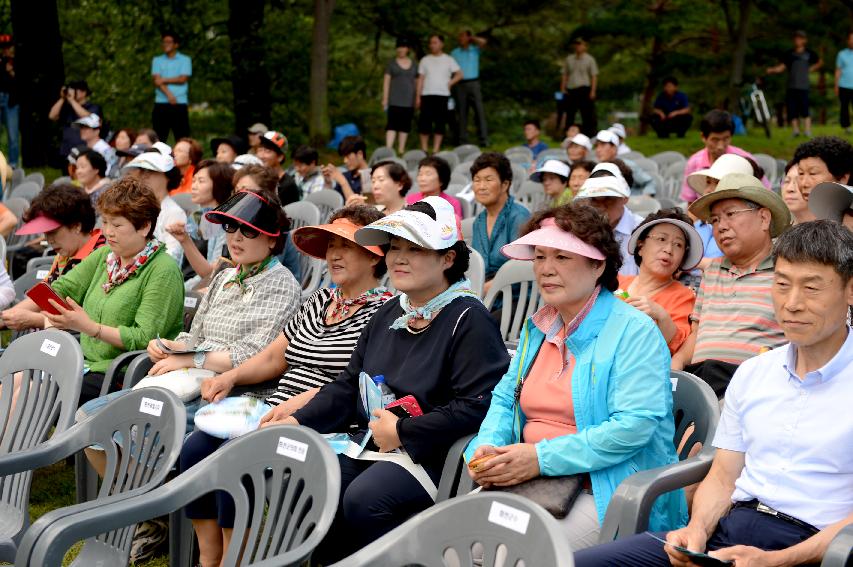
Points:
[(588, 391)]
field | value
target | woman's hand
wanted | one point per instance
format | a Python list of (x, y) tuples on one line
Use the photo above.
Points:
[(170, 363), (385, 430), (75, 318), (513, 465), (356, 200), (647, 306), (179, 231), (156, 354), (272, 418), (18, 319), (481, 451), (218, 387)]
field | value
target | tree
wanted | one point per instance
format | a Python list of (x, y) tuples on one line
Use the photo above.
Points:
[(40, 74), (250, 80), (318, 122)]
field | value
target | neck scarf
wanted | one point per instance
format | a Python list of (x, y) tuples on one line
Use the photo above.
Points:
[(341, 306), (243, 273), (118, 274), (461, 288)]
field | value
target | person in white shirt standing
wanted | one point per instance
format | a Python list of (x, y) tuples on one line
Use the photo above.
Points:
[(780, 487), (437, 73), (158, 173)]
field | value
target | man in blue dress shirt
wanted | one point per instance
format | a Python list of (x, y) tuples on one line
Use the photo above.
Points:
[(467, 91)]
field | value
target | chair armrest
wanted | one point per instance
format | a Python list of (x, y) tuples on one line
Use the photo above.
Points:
[(118, 363), (454, 467), (840, 549), (51, 451), (629, 508)]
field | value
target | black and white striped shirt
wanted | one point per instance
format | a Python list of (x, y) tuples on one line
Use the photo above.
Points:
[(316, 352)]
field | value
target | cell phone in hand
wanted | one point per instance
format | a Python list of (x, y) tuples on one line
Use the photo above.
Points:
[(407, 406), (41, 293), (696, 557)]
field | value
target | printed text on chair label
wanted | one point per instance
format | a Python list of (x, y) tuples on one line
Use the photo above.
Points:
[(49, 347), (189, 302), (293, 449), (151, 407), (41, 274), (509, 517)]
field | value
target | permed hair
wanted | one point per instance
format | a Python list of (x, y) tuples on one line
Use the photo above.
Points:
[(133, 200), (66, 204), (835, 152)]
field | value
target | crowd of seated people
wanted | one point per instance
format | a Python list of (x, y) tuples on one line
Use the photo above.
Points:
[(584, 395)]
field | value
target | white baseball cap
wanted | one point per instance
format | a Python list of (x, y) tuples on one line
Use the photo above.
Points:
[(152, 161), (608, 137), (416, 227), (830, 200), (582, 140), (162, 147), (246, 159), (725, 164), (619, 130), (613, 185), (554, 166), (90, 121)]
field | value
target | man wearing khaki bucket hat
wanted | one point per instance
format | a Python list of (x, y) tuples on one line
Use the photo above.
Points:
[(733, 318)]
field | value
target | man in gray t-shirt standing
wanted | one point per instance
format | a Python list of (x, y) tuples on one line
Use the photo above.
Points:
[(578, 85), (799, 62)]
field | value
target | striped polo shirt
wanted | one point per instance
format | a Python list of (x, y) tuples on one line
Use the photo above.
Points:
[(735, 313)]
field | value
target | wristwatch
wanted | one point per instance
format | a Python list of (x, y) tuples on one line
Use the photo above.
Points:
[(198, 359)]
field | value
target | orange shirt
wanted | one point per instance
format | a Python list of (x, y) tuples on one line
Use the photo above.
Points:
[(186, 182), (546, 398), (677, 300)]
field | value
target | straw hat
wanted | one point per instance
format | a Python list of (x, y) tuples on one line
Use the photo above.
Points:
[(748, 188)]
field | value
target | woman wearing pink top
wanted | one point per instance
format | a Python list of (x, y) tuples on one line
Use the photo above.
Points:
[(433, 179)]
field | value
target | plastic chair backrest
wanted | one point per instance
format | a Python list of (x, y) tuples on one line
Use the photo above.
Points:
[(768, 164), (18, 206), (693, 402), (141, 434), (451, 158), (514, 312), (504, 525), (63, 179), (302, 213), (381, 153), (553, 153), (26, 190), (327, 200), (413, 157), (643, 205), (839, 553), (632, 155), (476, 272), (184, 200), (666, 158), (285, 482), (51, 367), (312, 274), (36, 177), (24, 282), (647, 165), (467, 152), (467, 208), (468, 230), (3, 249), (457, 178), (40, 263), (454, 188), (18, 175), (657, 182), (531, 194), (192, 300), (520, 153)]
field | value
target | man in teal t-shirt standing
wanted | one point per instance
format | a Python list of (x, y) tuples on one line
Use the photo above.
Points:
[(171, 73), (844, 81)]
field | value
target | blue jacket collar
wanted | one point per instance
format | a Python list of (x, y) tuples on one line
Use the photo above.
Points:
[(592, 323)]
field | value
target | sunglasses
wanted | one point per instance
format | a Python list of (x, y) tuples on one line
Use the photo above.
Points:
[(247, 231)]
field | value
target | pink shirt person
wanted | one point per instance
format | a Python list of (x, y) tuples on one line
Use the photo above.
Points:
[(702, 160)]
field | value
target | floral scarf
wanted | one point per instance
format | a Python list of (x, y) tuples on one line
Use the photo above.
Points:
[(243, 274), (341, 306), (118, 274), (461, 288)]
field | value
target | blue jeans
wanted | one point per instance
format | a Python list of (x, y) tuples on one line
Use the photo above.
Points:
[(742, 526), (9, 116)]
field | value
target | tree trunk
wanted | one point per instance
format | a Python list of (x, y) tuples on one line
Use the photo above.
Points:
[(250, 81), (655, 62), (318, 121), (739, 55), (40, 74)]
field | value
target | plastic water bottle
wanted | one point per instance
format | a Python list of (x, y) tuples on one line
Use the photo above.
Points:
[(388, 396)]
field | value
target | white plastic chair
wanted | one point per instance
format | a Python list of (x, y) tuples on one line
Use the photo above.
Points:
[(514, 312), (327, 200), (768, 164), (467, 152), (519, 154), (380, 154), (412, 158), (185, 201), (468, 230), (451, 158), (26, 190), (302, 213), (647, 165), (476, 272), (667, 158), (532, 195)]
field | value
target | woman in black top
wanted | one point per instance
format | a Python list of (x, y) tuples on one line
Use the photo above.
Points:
[(435, 342)]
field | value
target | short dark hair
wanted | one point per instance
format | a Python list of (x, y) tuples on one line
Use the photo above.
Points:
[(397, 173), (496, 161), (352, 145), (96, 160), (363, 215), (222, 176), (591, 226), (583, 164), (822, 242), (170, 33), (438, 35), (265, 177), (715, 122), (673, 213), (757, 170), (460, 265), (534, 122), (623, 169), (305, 154), (835, 152), (670, 79), (440, 166), (64, 203), (149, 133), (132, 199), (80, 85)]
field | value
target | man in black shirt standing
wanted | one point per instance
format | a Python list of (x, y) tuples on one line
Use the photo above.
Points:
[(799, 61), (72, 105)]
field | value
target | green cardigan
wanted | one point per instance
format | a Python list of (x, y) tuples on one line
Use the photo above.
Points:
[(151, 301)]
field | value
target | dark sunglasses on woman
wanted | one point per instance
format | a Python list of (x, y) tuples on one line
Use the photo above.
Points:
[(248, 231)]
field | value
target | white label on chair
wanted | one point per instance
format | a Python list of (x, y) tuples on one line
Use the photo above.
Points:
[(190, 302), (151, 407), (674, 383), (293, 449), (41, 274), (509, 517), (50, 347)]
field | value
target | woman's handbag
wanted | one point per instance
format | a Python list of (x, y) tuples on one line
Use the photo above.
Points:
[(556, 494)]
